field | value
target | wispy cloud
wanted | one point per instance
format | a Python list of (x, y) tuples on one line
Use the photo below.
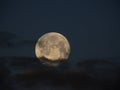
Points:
[(9, 40)]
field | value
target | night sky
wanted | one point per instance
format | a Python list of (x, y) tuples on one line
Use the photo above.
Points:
[(91, 26)]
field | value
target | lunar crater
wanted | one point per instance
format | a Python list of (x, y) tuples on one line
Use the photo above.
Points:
[(52, 46)]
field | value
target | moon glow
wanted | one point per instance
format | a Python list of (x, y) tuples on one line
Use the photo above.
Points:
[(52, 48)]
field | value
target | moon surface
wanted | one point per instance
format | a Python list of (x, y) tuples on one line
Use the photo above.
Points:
[(52, 48)]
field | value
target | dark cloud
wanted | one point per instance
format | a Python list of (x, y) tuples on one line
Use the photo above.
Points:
[(9, 39), (28, 72)]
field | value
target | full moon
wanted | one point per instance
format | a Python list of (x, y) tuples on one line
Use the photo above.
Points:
[(52, 49)]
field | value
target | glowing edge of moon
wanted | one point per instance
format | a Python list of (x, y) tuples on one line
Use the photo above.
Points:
[(37, 48)]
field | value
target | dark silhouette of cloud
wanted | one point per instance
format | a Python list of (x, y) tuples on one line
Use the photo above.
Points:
[(28, 72), (6, 38), (9, 39), (4, 78)]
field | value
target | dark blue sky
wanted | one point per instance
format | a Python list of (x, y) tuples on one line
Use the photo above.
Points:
[(91, 26)]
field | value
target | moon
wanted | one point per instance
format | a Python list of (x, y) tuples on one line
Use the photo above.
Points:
[(52, 49)]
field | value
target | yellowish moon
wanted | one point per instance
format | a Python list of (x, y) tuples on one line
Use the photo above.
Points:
[(52, 48)]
